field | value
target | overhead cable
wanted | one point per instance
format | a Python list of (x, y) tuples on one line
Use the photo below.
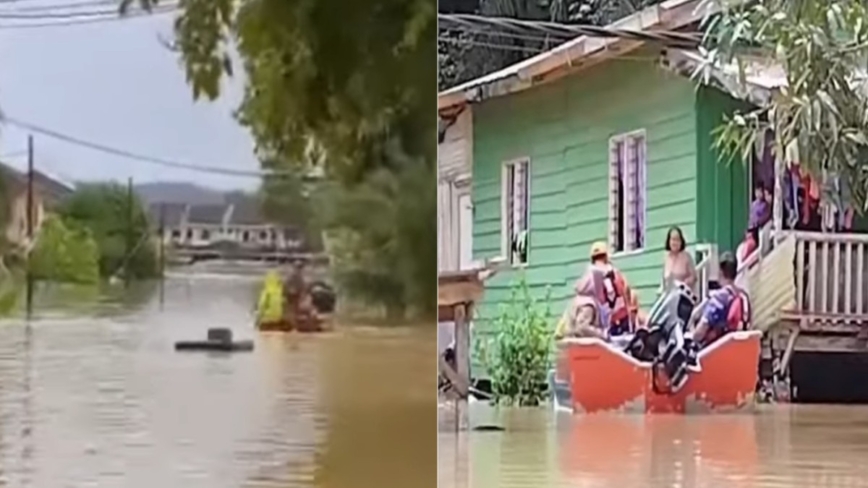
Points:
[(467, 22), (28, 126)]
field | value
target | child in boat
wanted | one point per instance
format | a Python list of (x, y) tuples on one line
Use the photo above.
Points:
[(582, 316), (727, 308)]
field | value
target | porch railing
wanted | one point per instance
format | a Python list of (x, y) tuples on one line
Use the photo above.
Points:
[(831, 274), (706, 262)]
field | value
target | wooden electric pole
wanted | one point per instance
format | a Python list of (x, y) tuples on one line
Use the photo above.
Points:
[(30, 228)]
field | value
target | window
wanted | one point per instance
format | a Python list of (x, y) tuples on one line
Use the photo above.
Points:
[(627, 199), (515, 210), (206, 234)]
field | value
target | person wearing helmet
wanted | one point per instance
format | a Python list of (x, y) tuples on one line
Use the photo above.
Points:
[(617, 296)]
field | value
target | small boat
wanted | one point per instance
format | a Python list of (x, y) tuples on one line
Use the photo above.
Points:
[(219, 339), (274, 316), (593, 376), (317, 323)]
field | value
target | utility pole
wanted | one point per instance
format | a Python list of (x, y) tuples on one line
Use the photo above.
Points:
[(30, 225), (130, 230), (162, 253)]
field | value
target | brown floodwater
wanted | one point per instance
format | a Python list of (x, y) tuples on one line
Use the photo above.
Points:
[(779, 446), (93, 394)]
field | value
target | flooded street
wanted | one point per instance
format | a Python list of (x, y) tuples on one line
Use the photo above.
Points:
[(98, 397), (816, 446)]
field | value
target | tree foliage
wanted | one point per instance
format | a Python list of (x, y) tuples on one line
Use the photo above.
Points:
[(352, 94), (64, 253), (464, 55), (119, 226), (517, 357), (315, 80), (823, 110), (383, 244), (289, 200)]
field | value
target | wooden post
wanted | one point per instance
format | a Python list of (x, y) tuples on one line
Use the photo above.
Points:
[(30, 228), (462, 361)]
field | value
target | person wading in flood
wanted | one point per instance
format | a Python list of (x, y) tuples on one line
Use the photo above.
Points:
[(294, 291)]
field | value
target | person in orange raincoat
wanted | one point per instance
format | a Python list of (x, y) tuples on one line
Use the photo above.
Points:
[(617, 296)]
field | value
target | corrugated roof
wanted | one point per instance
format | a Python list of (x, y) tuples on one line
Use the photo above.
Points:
[(671, 14)]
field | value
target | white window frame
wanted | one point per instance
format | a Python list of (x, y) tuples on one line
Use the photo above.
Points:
[(504, 210), (616, 142)]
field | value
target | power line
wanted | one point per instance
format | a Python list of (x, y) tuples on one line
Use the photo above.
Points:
[(491, 45), (67, 15), (56, 6), (134, 156), (466, 21), (92, 20)]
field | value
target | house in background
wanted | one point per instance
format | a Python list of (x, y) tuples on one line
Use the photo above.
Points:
[(454, 203), (598, 139), (48, 193), (239, 222)]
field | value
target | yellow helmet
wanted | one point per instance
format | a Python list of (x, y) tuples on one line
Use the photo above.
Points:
[(599, 249)]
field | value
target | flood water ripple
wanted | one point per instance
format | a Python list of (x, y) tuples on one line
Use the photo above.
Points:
[(99, 397), (779, 446)]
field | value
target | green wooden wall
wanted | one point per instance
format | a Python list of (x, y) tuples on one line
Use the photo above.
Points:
[(564, 128), (723, 187)]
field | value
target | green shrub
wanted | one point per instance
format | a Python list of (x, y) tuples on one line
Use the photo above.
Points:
[(517, 357)]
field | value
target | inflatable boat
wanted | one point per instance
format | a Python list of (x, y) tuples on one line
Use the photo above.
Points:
[(671, 376), (274, 317), (593, 376)]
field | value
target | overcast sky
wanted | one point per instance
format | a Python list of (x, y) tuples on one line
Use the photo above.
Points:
[(114, 83)]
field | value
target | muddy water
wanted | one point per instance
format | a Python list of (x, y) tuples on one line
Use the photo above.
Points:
[(94, 395), (810, 446)]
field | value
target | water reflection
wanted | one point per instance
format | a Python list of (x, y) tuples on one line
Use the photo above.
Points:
[(96, 396), (778, 447)]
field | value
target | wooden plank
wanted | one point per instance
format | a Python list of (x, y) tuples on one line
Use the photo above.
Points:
[(836, 278), (809, 343), (824, 286), (462, 344), (831, 327), (860, 276), (812, 276), (848, 279), (800, 274), (796, 316), (457, 293)]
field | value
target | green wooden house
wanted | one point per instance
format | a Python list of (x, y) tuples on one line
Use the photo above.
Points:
[(598, 140)]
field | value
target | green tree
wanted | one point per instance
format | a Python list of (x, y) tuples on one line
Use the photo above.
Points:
[(119, 226), (824, 108), (66, 254), (517, 356), (383, 240), (354, 96), (288, 200)]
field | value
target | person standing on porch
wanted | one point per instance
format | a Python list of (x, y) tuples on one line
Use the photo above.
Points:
[(677, 264)]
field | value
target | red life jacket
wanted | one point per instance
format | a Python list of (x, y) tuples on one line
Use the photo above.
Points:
[(616, 295)]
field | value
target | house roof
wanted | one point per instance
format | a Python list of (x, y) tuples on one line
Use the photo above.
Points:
[(206, 214), (50, 188), (171, 214), (245, 209), (578, 52)]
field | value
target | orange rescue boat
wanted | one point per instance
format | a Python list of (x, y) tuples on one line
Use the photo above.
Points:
[(593, 376)]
